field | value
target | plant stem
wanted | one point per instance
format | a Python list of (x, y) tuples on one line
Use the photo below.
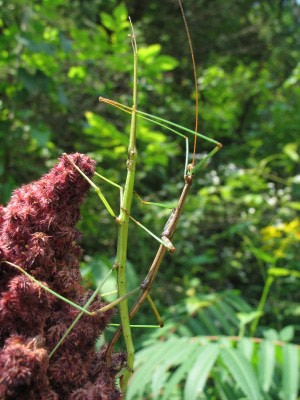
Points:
[(261, 304)]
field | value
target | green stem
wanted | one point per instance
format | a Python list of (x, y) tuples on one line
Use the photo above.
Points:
[(261, 304)]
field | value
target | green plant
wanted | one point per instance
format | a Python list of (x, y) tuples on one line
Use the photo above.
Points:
[(123, 218), (51, 53), (204, 358)]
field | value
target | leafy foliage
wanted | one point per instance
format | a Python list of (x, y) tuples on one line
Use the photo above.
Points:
[(240, 229), (216, 368), (184, 365)]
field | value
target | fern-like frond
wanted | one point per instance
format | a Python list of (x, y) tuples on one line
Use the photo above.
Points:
[(216, 367)]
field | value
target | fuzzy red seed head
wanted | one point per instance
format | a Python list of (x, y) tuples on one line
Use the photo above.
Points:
[(37, 232)]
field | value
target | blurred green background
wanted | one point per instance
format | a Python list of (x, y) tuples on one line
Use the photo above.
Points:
[(236, 267)]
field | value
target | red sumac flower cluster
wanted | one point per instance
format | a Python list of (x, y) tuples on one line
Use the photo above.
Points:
[(37, 232)]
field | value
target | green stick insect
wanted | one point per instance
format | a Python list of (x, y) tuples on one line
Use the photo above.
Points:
[(124, 217)]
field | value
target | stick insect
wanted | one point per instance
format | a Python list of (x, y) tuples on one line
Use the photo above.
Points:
[(124, 217)]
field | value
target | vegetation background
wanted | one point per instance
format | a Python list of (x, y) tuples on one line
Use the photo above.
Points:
[(236, 270)]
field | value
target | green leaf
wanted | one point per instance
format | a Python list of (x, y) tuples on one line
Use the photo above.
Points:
[(120, 13), (77, 72), (198, 375), (227, 309), (290, 150), (159, 379), (271, 334), (208, 323), (262, 255), (295, 205), (246, 318), (166, 63), (242, 372), (225, 390), (108, 21), (287, 333), (180, 373), (221, 318), (178, 355), (153, 364), (146, 361), (236, 301), (266, 364), (101, 131), (194, 304), (283, 272), (147, 54), (174, 352), (246, 347), (290, 379)]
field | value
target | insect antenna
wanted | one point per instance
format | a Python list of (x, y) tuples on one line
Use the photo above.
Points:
[(195, 79)]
